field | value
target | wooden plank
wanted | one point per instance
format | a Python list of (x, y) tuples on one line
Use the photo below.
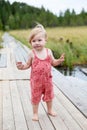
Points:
[(19, 117), (26, 104), (19, 47), (72, 110), (8, 119), (19, 56), (66, 116), (79, 94), (26, 48), (3, 60), (44, 121), (1, 102), (7, 74), (84, 70), (23, 51), (9, 57), (18, 74), (74, 89), (63, 120), (57, 121), (11, 72), (1, 75)]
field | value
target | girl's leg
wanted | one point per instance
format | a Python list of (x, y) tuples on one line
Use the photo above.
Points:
[(49, 108), (35, 112)]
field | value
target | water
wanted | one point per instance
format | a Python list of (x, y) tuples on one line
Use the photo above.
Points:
[(75, 72)]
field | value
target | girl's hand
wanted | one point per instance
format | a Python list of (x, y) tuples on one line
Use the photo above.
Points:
[(62, 57), (19, 65)]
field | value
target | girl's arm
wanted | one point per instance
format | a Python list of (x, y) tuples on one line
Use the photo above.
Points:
[(26, 65), (56, 62)]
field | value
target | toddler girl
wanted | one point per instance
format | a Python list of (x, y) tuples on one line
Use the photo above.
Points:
[(40, 60)]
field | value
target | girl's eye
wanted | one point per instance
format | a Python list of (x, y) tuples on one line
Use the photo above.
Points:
[(33, 41), (39, 40)]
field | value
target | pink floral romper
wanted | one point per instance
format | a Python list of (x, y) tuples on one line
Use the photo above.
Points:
[(41, 79)]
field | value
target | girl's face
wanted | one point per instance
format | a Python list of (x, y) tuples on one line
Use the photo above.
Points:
[(38, 42)]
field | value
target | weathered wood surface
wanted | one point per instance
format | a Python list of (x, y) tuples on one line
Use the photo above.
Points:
[(3, 60), (15, 105), (74, 89)]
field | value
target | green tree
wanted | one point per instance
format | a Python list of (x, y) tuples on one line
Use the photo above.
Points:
[(11, 22), (83, 14), (80, 21), (73, 18), (60, 19), (67, 16), (17, 20)]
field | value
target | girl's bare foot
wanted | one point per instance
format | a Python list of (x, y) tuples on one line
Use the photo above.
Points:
[(35, 117), (52, 113)]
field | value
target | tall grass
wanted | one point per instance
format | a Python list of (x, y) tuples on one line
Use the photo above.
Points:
[(1, 33), (70, 40)]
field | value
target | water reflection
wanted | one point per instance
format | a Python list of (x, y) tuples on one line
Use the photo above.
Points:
[(75, 72)]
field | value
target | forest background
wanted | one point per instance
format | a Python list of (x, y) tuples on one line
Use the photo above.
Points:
[(22, 16)]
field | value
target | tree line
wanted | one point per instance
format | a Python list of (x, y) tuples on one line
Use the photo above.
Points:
[(22, 16)]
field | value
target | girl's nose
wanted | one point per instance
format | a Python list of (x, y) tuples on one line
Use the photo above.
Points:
[(37, 42)]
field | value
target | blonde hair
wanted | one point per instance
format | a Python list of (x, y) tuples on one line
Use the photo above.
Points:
[(36, 30)]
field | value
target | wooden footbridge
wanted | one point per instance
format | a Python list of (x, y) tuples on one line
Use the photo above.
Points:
[(70, 102)]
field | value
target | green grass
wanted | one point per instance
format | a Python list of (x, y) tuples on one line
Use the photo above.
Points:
[(70, 40)]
